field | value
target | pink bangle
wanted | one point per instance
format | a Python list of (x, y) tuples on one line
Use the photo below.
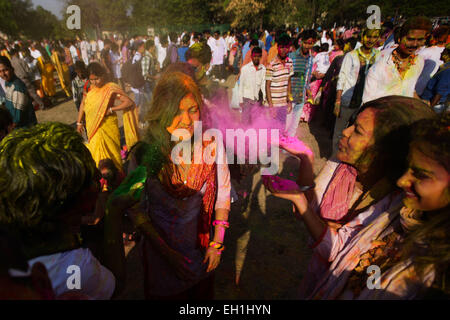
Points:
[(221, 223)]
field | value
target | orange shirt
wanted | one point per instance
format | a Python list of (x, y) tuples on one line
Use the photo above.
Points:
[(273, 52), (248, 58)]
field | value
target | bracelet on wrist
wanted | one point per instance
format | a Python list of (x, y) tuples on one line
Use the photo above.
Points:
[(221, 223), (306, 188), (79, 123), (216, 245)]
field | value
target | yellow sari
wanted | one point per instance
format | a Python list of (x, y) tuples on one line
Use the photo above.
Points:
[(63, 73), (48, 82), (103, 130), (5, 54)]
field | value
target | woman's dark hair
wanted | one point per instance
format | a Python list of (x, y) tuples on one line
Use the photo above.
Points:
[(432, 138), (44, 171), (340, 43), (97, 69), (429, 243), (393, 118), (79, 65)]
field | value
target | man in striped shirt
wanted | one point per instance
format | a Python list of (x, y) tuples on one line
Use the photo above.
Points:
[(278, 81), (302, 61)]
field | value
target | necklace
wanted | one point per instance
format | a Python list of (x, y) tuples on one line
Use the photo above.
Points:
[(400, 64)]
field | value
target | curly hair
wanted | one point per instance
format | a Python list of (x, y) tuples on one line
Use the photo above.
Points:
[(43, 169)]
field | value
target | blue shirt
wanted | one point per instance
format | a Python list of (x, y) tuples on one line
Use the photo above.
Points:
[(268, 42), (439, 84), (19, 103), (182, 53), (245, 49)]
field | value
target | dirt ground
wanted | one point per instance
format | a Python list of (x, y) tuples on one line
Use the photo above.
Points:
[(266, 247)]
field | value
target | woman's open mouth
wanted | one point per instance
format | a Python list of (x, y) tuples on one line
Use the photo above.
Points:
[(409, 193)]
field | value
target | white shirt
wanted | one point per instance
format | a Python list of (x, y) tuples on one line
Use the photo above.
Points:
[(348, 75), (251, 81), (384, 79), (96, 281), (329, 41), (218, 50), (84, 47), (101, 45), (162, 53), (73, 53), (223, 46), (94, 46), (35, 53), (2, 83), (115, 61), (230, 41), (323, 62)]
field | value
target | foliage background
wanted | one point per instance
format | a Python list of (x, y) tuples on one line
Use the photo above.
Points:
[(19, 18)]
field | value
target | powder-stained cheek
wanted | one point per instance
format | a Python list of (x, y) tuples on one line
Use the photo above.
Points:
[(174, 124)]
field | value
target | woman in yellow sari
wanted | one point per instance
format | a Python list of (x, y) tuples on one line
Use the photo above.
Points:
[(47, 69), (62, 69), (99, 110)]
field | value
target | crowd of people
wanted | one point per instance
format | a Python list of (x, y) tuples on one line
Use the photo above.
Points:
[(382, 199)]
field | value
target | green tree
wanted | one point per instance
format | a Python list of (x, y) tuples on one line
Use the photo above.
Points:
[(246, 13), (8, 24)]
